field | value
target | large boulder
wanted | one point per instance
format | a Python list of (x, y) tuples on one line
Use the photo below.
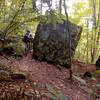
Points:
[(51, 42)]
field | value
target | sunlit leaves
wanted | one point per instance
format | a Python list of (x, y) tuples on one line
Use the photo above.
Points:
[(15, 15), (83, 11)]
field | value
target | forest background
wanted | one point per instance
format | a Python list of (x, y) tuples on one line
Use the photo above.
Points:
[(16, 16)]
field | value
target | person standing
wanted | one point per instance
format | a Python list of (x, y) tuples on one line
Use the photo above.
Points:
[(28, 42)]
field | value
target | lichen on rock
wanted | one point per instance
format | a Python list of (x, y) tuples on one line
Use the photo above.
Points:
[(51, 42)]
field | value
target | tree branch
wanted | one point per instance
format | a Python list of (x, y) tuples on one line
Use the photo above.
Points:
[(11, 22)]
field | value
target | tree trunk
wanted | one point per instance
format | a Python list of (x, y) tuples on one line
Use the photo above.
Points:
[(60, 6)]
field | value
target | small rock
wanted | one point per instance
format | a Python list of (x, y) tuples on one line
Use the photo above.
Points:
[(19, 75), (98, 85), (88, 90), (80, 80), (4, 75)]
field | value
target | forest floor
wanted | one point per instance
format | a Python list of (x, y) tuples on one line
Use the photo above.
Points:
[(43, 73)]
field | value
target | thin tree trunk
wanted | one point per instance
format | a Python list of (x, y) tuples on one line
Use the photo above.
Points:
[(41, 7), (70, 60), (60, 6), (87, 41), (98, 28), (94, 31)]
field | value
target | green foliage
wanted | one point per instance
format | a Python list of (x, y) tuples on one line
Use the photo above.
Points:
[(16, 16), (98, 85), (88, 47), (94, 74), (97, 72), (52, 17)]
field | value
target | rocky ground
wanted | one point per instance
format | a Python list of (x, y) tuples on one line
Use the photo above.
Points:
[(41, 76)]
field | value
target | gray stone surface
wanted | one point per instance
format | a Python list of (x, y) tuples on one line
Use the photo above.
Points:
[(51, 42)]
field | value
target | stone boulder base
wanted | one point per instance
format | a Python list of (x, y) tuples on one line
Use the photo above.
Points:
[(18, 74), (51, 42), (8, 74), (4, 73)]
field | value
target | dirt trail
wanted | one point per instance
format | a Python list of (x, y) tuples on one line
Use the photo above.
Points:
[(43, 73)]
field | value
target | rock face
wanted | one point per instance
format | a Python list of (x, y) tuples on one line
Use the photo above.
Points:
[(4, 73), (51, 42), (8, 74), (18, 74)]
